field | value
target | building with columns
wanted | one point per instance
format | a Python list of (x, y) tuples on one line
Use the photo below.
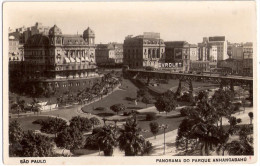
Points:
[(60, 61), (143, 50)]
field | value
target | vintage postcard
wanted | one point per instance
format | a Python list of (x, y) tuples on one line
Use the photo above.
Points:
[(159, 83)]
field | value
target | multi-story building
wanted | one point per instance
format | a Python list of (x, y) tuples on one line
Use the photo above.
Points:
[(232, 66), (178, 53), (144, 50), (19, 34), (109, 54), (235, 51), (200, 66), (203, 53), (60, 61), (221, 44), (194, 52), (118, 53), (248, 59), (213, 49), (38, 28), (213, 53), (105, 55), (14, 52)]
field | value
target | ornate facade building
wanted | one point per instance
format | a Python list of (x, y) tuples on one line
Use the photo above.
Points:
[(60, 62), (144, 50)]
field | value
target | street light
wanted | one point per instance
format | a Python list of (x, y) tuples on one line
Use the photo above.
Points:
[(164, 127)]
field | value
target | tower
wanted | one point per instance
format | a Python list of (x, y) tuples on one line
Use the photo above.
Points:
[(89, 36), (55, 36)]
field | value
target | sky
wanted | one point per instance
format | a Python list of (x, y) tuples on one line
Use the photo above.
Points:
[(113, 21)]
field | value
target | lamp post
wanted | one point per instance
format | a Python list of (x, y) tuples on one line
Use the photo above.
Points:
[(164, 127)]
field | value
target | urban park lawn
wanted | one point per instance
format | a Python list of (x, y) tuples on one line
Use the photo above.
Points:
[(26, 122)]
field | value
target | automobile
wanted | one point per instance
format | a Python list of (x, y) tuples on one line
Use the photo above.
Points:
[(180, 71), (199, 72), (190, 72)]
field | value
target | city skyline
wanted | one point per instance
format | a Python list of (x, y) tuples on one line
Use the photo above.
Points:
[(236, 23)]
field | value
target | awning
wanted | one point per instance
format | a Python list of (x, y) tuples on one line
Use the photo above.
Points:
[(72, 60), (87, 59), (78, 60), (67, 60)]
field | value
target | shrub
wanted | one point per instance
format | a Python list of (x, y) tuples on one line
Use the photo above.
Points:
[(150, 116), (187, 97), (38, 121), (185, 111), (126, 113), (100, 109)]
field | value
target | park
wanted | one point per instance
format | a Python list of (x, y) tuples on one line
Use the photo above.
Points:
[(153, 110)]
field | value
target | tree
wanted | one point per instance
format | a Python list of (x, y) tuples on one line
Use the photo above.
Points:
[(15, 137), (243, 146), (223, 141), (70, 138), (187, 97), (154, 127), (170, 94), (117, 108), (81, 123), (36, 145), (107, 140), (94, 121), (186, 111), (240, 148), (147, 99), (164, 104), (184, 137), (239, 120), (251, 115), (35, 106), (15, 132), (141, 93), (18, 105), (222, 103), (203, 129), (151, 116), (130, 139), (53, 125), (233, 125)]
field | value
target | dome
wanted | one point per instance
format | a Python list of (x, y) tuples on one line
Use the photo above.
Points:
[(55, 30), (88, 33)]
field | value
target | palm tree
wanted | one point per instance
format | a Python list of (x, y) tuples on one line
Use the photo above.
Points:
[(204, 118), (222, 103), (18, 105), (107, 140), (130, 140), (251, 115)]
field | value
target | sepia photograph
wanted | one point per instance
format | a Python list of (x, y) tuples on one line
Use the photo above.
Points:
[(170, 82)]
